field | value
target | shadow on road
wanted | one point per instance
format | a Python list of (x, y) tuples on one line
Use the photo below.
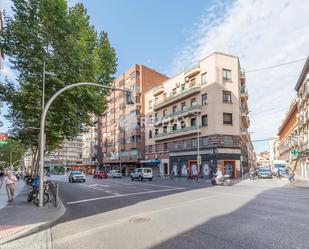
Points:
[(277, 218)]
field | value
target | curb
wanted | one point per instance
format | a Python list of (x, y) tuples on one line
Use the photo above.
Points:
[(38, 228)]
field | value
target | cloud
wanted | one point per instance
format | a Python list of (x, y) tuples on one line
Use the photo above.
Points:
[(261, 33)]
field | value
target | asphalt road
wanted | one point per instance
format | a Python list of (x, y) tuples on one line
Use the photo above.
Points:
[(120, 214)]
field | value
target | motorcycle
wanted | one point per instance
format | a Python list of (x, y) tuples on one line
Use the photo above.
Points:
[(225, 181)]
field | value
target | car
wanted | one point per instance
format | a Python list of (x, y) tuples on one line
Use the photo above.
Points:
[(141, 174), (114, 174), (100, 175), (264, 172), (77, 176)]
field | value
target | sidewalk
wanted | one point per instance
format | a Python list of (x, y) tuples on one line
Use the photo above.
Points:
[(20, 218)]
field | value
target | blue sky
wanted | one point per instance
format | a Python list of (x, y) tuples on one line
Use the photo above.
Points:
[(168, 35)]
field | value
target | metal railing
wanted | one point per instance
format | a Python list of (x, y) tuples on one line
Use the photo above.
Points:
[(194, 127), (54, 190)]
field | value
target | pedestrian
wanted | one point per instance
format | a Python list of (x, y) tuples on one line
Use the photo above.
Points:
[(9, 181), (291, 176), (251, 174)]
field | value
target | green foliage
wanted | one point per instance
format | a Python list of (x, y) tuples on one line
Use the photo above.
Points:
[(11, 152), (48, 31)]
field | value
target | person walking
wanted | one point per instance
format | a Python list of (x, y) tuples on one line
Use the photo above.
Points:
[(251, 174), (9, 181)]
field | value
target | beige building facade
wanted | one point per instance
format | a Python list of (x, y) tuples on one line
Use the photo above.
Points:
[(197, 121), (302, 89)]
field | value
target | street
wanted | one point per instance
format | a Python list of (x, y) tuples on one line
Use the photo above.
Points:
[(118, 213)]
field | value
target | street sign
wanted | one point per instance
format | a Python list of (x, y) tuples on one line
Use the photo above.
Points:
[(294, 152)]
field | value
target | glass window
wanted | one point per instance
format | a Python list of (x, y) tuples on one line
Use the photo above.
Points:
[(204, 141), (164, 112), (193, 122), (183, 86), (165, 146), (204, 120), (174, 108), (150, 134), (156, 131), (203, 78), (194, 142), (183, 124), (193, 102), (226, 74), (192, 82), (150, 148), (204, 99), (183, 105), (227, 97), (150, 119), (227, 118), (164, 129), (228, 140), (174, 127)]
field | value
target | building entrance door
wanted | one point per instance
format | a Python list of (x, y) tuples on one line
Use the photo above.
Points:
[(229, 168), (192, 168), (165, 169)]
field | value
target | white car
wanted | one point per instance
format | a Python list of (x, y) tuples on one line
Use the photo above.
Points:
[(77, 176), (142, 173), (114, 174)]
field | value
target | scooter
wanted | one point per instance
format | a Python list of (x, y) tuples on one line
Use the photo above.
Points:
[(225, 181)]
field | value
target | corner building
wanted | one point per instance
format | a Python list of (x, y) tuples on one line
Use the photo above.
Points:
[(200, 111)]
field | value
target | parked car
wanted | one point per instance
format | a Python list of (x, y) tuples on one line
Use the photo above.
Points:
[(114, 174), (100, 175), (142, 173), (77, 176), (264, 172)]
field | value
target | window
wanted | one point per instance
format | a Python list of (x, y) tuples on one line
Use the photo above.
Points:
[(193, 122), (183, 87), (227, 97), (174, 91), (156, 117), (165, 146), (204, 120), (150, 148), (150, 119), (226, 74), (183, 124), (193, 102), (174, 127), (228, 140), (192, 82), (164, 129), (203, 78), (204, 99), (204, 141), (156, 131), (194, 142), (174, 108), (183, 105), (150, 104), (227, 118), (150, 134)]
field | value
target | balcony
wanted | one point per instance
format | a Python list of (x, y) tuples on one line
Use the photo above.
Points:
[(242, 76), (188, 110), (243, 92), (177, 96), (244, 134), (192, 70), (158, 90), (244, 117), (176, 133)]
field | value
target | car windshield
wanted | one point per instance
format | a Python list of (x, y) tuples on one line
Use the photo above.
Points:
[(76, 173), (263, 170)]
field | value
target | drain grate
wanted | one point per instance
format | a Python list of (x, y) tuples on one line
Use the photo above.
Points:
[(139, 219)]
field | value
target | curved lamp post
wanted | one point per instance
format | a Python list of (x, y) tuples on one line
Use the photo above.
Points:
[(42, 126)]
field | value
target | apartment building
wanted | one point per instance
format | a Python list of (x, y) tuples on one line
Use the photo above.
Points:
[(197, 121), (287, 134), (77, 154), (121, 131), (302, 89)]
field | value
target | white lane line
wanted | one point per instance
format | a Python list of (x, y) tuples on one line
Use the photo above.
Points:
[(115, 196)]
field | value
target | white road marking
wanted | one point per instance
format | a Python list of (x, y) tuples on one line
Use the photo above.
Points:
[(115, 196)]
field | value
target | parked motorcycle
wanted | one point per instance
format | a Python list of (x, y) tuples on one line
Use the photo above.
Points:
[(225, 181)]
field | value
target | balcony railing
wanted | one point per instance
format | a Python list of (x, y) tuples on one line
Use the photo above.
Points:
[(192, 66), (172, 96), (185, 110), (170, 132)]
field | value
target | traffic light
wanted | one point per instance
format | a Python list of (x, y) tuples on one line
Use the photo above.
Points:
[(129, 96)]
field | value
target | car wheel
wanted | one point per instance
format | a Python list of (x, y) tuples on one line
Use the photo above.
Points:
[(150, 179), (132, 178), (141, 178)]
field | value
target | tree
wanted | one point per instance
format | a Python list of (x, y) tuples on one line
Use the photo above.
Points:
[(48, 31), (11, 153)]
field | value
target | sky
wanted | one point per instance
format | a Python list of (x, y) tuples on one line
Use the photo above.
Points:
[(169, 35)]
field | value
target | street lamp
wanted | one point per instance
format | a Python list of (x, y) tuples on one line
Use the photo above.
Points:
[(42, 124)]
